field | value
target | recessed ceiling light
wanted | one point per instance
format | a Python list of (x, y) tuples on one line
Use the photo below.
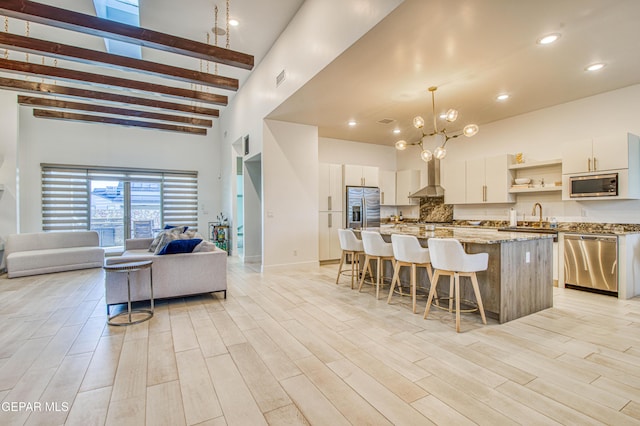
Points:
[(233, 22), (595, 67), (396, 131), (548, 39), (502, 97), (352, 123)]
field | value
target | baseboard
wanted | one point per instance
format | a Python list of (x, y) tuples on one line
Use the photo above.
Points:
[(313, 265), (252, 259)]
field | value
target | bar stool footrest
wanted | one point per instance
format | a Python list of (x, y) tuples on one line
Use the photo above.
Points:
[(468, 302)]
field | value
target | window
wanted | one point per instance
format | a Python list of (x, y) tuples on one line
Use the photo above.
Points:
[(125, 12), (118, 203)]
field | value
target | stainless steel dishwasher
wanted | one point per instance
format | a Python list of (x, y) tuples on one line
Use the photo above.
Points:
[(591, 262)]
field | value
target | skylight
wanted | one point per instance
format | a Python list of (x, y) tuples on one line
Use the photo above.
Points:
[(123, 11)]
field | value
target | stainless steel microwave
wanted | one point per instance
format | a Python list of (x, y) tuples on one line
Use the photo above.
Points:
[(593, 186)]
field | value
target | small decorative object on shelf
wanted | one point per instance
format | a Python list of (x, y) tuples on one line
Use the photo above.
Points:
[(219, 233)]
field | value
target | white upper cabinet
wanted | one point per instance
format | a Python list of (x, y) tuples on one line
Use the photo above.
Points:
[(330, 187), (483, 180), (498, 179), (615, 152), (454, 181), (475, 178), (577, 156), (407, 182), (619, 151), (360, 175), (387, 188)]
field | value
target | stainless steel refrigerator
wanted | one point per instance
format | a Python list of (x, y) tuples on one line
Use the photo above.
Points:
[(363, 207)]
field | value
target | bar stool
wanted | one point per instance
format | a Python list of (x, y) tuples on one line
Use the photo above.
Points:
[(408, 252), (449, 258), (351, 247), (378, 249)]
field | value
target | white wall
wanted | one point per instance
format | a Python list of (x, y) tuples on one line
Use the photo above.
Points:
[(8, 163), (539, 135), (290, 160), (253, 209), (64, 142), (338, 151)]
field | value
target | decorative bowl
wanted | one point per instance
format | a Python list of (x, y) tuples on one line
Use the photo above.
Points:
[(475, 222), (522, 181)]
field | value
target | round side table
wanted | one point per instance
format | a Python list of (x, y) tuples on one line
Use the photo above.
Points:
[(127, 268)]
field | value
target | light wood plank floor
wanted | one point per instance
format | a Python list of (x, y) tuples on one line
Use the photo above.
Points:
[(294, 348)]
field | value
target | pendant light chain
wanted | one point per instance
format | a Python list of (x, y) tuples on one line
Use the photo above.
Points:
[(6, 30), (228, 18), (215, 35), (27, 30)]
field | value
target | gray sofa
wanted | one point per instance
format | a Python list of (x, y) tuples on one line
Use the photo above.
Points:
[(174, 275), (45, 252)]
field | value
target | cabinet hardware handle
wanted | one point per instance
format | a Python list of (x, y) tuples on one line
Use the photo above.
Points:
[(329, 202), (382, 197), (589, 164), (330, 220), (595, 164), (484, 192)]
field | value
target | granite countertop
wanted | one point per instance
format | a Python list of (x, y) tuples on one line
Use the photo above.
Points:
[(476, 235), (567, 227)]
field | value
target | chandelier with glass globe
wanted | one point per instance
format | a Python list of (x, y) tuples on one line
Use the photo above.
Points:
[(440, 152)]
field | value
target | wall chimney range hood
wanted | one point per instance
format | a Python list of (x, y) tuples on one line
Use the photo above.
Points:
[(433, 188)]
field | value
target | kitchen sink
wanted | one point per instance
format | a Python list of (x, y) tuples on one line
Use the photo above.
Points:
[(531, 229)]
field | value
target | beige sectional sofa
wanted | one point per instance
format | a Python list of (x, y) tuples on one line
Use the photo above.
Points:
[(45, 252), (174, 275)]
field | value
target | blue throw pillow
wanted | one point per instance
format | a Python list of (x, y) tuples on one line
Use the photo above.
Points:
[(180, 246), (172, 226)]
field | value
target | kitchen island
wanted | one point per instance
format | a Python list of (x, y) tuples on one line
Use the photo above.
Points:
[(519, 278)]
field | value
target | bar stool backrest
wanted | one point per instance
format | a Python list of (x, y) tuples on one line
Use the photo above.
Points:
[(448, 254), (374, 245), (349, 241), (407, 248)]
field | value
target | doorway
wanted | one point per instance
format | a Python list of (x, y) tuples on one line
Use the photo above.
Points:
[(239, 219), (252, 197)]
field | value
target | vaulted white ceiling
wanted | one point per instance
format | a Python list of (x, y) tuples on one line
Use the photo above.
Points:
[(472, 50)]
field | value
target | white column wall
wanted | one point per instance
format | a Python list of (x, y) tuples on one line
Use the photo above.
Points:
[(8, 163), (290, 159), (539, 136), (318, 33), (65, 142)]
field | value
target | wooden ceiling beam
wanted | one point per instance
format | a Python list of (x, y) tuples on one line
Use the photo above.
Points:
[(57, 115), (88, 24), (57, 90), (54, 103), (27, 68), (94, 57)]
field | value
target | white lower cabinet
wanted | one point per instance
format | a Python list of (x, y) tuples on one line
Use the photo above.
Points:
[(329, 244), (556, 264)]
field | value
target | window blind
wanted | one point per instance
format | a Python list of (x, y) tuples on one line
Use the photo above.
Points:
[(66, 192)]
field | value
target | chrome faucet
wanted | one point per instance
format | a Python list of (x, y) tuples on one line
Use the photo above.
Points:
[(534, 213)]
